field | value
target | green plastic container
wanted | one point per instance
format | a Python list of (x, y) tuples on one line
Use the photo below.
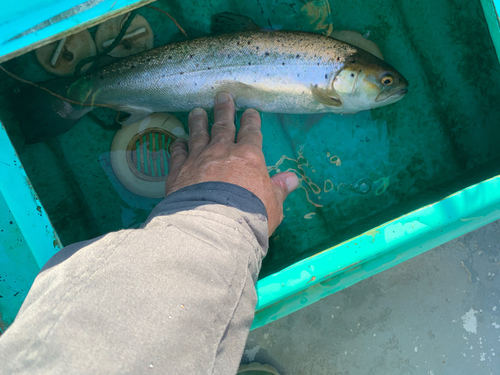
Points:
[(377, 188)]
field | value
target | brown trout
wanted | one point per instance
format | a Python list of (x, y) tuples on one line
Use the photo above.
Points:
[(271, 71)]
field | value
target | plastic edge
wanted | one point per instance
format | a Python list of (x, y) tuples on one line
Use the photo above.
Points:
[(490, 9), (374, 251), (27, 41)]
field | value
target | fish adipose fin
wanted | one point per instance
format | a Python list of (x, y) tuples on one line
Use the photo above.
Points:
[(135, 114), (41, 115), (226, 22), (322, 97)]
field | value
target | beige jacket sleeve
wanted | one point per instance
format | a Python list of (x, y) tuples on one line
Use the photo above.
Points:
[(175, 296)]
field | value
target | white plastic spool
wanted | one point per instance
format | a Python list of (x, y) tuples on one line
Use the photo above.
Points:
[(139, 153)]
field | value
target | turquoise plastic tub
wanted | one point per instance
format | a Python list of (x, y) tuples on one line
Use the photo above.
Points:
[(431, 162)]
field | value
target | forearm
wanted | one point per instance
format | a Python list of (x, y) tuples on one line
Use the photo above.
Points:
[(176, 296)]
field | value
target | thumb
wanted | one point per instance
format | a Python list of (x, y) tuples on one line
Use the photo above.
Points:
[(283, 184)]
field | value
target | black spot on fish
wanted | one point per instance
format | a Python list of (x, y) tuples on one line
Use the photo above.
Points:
[(338, 58), (352, 74), (267, 53), (190, 56), (228, 56), (257, 48), (283, 63), (298, 75), (238, 43), (326, 76), (316, 85), (148, 59), (208, 68), (298, 56), (248, 42), (249, 63), (182, 72), (170, 57), (195, 84), (212, 87), (119, 83), (317, 64), (101, 77)]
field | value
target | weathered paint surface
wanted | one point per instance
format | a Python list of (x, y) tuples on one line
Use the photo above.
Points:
[(18, 268), (23, 203)]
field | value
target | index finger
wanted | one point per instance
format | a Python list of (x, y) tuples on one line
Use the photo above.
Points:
[(250, 129)]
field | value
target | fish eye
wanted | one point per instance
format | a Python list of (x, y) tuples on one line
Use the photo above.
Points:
[(387, 80)]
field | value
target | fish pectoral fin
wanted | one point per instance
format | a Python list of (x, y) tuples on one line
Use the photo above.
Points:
[(322, 97), (135, 114), (244, 96), (227, 22)]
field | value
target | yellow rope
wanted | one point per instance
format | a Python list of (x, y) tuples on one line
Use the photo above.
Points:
[(169, 16)]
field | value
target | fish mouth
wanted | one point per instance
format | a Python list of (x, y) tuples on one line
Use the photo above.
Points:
[(393, 94)]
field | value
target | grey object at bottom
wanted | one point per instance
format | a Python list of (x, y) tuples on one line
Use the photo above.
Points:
[(438, 313)]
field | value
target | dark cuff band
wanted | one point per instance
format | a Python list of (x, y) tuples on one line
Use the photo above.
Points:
[(211, 193)]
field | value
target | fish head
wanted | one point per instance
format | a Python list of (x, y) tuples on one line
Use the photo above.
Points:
[(368, 82)]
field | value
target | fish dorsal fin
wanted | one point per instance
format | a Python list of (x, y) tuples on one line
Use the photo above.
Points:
[(136, 114), (357, 40), (322, 97), (226, 22)]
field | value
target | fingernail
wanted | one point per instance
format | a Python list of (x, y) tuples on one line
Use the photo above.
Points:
[(291, 183), (197, 112), (222, 98)]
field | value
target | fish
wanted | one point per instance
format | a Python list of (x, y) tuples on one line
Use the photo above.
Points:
[(271, 71)]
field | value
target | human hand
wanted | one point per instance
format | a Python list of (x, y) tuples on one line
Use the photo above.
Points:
[(220, 158)]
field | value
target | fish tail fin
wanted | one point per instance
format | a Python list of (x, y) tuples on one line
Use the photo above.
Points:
[(42, 115)]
